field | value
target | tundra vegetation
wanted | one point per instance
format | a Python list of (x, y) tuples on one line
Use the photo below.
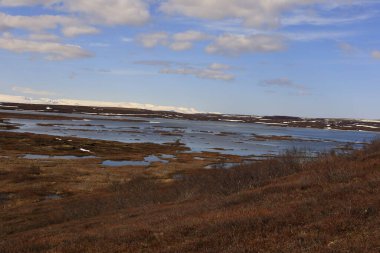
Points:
[(289, 203)]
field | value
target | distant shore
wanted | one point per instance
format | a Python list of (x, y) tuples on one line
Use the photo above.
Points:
[(279, 121)]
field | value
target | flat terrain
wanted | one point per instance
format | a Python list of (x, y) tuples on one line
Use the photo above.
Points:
[(286, 204), (282, 121)]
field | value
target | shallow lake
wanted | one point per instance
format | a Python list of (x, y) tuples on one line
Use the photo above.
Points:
[(212, 136), (146, 162), (63, 157)]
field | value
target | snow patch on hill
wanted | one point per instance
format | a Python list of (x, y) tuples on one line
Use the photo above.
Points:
[(63, 101)]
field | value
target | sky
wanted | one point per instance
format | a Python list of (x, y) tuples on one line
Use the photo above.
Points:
[(312, 58)]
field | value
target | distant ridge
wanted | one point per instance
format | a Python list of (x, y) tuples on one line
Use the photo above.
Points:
[(77, 102), (151, 111)]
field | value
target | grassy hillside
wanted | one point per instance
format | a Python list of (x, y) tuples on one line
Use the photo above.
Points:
[(285, 204)]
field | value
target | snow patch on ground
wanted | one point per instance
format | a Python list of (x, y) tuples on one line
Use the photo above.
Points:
[(373, 127)]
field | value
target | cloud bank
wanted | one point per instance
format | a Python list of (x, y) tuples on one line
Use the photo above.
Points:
[(51, 50), (287, 84), (252, 13), (214, 71), (69, 18)]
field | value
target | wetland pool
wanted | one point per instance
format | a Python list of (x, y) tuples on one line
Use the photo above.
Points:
[(200, 136)]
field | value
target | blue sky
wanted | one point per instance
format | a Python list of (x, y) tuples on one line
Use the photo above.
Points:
[(295, 57)]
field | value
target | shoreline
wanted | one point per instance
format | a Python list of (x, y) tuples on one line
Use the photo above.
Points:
[(279, 121)]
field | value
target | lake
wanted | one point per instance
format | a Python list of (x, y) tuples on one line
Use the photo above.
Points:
[(235, 138)]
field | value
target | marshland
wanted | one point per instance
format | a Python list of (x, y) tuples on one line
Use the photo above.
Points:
[(90, 183)]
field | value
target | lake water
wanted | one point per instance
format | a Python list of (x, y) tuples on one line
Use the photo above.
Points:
[(212, 136), (146, 162), (59, 157)]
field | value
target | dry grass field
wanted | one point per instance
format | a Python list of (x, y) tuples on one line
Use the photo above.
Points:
[(285, 204)]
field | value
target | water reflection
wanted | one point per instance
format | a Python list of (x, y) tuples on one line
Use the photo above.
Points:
[(146, 162), (64, 157), (200, 136)]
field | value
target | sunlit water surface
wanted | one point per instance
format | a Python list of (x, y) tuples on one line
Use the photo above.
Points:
[(212, 136)]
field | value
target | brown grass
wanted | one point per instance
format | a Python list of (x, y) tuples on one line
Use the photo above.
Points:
[(285, 204), (26, 143)]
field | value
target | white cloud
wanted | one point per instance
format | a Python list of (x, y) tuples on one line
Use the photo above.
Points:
[(83, 17), (375, 54), (26, 90), (191, 35), (160, 63), (219, 66), (238, 44), (181, 45), (17, 3), (177, 42), (51, 50), (281, 82), (104, 12), (43, 37), (252, 13), (41, 24), (128, 72), (214, 71), (126, 39), (304, 35), (310, 19), (346, 48), (317, 35), (72, 31), (109, 12), (151, 40), (73, 18), (287, 84), (22, 99), (34, 23), (185, 40)]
